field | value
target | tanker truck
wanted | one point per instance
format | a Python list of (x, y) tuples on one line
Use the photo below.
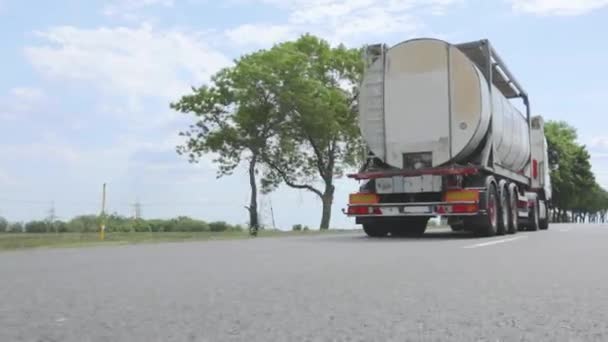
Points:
[(445, 137)]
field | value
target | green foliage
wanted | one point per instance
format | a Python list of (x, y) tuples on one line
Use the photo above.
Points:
[(186, 224), (60, 227), (236, 116), (299, 227), (37, 227), (574, 186), (3, 225), (16, 227), (120, 224), (219, 226), (140, 225), (289, 111), (83, 224), (320, 136)]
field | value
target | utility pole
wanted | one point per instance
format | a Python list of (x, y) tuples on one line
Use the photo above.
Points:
[(137, 209), (102, 230), (51, 218), (274, 226)]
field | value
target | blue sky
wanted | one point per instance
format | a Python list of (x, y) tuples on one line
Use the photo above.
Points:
[(85, 87)]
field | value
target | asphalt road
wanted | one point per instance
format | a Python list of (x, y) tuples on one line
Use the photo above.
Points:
[(537, 286)]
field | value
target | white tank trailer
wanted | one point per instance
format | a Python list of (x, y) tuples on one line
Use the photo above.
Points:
[(445, 139)]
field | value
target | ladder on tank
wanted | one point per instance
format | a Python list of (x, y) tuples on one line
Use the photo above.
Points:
[(374, 98)]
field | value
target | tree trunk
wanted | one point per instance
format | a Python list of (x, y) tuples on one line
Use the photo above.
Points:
[(253, 201), (327, 199)]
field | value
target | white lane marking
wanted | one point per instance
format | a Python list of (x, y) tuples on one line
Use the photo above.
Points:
[(496, 242), (564, 229)]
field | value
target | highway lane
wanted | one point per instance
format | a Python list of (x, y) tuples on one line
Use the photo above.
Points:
[(533, 286)]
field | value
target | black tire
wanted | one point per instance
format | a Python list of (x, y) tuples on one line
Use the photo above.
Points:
[(503, 211), (533, 222), (513, 211), (543, 224), (488, 224), (375, 230), (457, 227), (410, 227)]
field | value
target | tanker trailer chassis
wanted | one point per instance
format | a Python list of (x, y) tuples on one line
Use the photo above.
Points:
[(400, 203), (482, 194)]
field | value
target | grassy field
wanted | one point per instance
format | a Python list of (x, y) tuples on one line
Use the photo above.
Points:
[(10, 241)]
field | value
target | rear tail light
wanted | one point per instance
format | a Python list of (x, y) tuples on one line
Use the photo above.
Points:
[(360, 200), (461, 195), (457, 209), (363, 198), (464, 208), (364, 210)]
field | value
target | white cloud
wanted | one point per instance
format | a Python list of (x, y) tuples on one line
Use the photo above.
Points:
[(341, 20), (42, 151), (599, 144), (130, 9), (134, 62), (558, 7), (6, 179), (19, 101), (259, 35)]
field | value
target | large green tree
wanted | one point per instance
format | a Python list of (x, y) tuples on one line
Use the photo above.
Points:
[(236, 115), (288, 111), (320, 136)]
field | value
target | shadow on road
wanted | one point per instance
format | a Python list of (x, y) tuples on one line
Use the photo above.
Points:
[(428, 236), (442, 235)]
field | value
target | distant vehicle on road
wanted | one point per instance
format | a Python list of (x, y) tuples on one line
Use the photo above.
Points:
[(444, 138)]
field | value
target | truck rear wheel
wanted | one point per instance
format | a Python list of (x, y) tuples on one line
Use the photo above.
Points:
[(533, 221), (457, 227), (543, 224), (410, 226), (375, 229), (488, 224), (503, 210), (513, 210)]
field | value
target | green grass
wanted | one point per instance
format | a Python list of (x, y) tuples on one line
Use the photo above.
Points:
[(10, 241)]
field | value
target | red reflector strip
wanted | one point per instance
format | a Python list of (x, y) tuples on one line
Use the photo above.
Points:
[(535, 168), (464, 208), (362, 210), (457, 209)]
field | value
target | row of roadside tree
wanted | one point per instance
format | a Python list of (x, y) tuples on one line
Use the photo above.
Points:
[(577, 196), (116, 223)]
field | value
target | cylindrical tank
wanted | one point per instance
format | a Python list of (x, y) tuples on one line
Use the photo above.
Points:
[(428, 98)]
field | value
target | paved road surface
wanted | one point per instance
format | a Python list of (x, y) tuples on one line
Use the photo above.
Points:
[(537, 286)]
